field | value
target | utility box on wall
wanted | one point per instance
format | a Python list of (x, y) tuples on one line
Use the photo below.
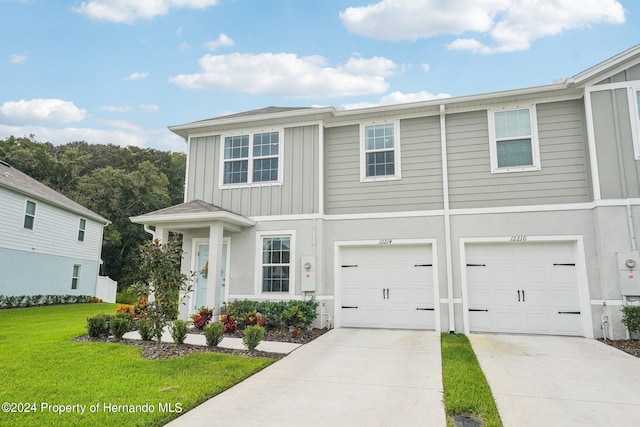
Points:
[(308, 282), (629, 273)]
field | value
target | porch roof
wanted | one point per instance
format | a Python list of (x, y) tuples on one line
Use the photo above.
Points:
[(193, 214)]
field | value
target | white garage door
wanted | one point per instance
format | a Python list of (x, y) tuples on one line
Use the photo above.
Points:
[(387, 286), (528, 287)]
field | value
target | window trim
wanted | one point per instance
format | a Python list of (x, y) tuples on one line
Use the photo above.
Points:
[(634, 112), (535, 143), (75, 277), (396, 148), (82, 229), (251, 158), (291, 234), (24, 217)]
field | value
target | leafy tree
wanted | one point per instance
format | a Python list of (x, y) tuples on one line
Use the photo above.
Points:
[(162, 283)]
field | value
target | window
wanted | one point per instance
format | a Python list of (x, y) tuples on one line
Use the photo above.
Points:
[(81, 228), (29, 215), (76, 276), (634, 108), (513, 139), (380, 151), (276, 258), (251, 158)]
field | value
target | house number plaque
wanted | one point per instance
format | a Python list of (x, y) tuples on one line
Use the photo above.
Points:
[(385, 242), (518, 239)]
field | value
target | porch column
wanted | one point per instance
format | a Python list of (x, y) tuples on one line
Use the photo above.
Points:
[(215, 266), (161, 234)]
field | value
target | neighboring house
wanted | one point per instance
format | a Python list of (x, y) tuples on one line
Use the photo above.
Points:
[(49, 244), (513, 211)]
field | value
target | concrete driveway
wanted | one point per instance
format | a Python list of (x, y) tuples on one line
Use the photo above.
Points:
[(347, 377), (559, 381)]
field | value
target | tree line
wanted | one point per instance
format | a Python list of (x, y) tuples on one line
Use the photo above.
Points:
[(115, 182)]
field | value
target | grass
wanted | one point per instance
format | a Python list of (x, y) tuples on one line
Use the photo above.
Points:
[(41, 364), (466, 391)]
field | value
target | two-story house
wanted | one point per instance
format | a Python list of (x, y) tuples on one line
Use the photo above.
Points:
[(49, 244), (512, 212)]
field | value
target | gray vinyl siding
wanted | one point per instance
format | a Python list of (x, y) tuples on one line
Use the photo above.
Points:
[(614, 145), (420, 186), (632, 73), (298, 193), (563, 177)]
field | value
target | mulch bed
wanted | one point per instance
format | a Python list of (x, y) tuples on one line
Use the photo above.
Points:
[(628, 346), (168, 350)]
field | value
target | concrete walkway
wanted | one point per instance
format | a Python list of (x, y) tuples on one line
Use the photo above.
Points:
[(233, 343), (559, 381), (346, 377)]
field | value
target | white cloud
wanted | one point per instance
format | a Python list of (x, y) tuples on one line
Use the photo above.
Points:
[(116, 108), (17, 58), (222, 41), (184, 46), (425, 67), (511, 25), (137, 76), (129, 11), (398, 98), (53, 111), (150, 108), (286, 74)]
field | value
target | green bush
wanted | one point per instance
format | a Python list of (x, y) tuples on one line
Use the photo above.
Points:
[(98, 325), (120, 324), (631, 317), (126, 297), (277, 314), (179, 331), (145, 328), (252, 336), (214, 333)]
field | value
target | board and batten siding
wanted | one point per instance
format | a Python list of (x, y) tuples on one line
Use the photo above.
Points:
[(563, 177), (420, 186), (619, 172), (298, 193), (55, 230)]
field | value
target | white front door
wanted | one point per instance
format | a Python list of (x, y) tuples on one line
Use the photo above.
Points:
[(387, 286), (529, 288)]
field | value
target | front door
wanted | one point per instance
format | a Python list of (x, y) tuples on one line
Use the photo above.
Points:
[(202, 275)]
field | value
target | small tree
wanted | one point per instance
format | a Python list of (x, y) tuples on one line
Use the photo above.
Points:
[(163, 282)]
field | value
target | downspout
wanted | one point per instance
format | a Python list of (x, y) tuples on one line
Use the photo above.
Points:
[(447, 218), (150, 231)]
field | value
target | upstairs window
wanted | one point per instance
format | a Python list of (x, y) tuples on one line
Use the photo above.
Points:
[(380, 152), (251, 158), (81, 229), (29, 215), (513, 140)]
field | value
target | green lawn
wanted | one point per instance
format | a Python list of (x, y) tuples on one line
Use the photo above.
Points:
[(41, 365), (466, 391)]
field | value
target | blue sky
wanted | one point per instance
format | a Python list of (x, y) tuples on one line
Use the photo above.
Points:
[(121, 71)]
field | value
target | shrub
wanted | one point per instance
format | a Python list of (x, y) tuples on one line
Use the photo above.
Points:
[(202, 318), (252, 336), (179, 331), (125, 297), (124, 309), (145, 328), (140, 308), (253, 318), (94, 300), (98, 325), (120, 325), (214, 333), (631, 317), (229, 322)]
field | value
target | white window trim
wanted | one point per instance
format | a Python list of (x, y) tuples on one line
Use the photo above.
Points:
[(396, 148), (535, 146), (24, 215), (292, 261), (75, 277), (251, 159), (83, 230), (635, 119)]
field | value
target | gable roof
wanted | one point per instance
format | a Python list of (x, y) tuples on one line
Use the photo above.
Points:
[(607, 67), (194, 211), (20, 182)]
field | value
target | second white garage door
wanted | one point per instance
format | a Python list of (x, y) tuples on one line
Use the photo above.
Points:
[(528, 287), (387, 286)]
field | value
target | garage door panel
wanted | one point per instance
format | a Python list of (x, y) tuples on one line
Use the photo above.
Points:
[(524, 286), (389, 286)]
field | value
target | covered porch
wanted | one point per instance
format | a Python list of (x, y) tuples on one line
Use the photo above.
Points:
[(205, 229)]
